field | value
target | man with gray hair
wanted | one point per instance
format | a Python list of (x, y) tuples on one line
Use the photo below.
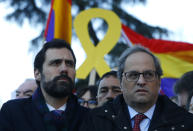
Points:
[(140, 107), (26, 89)]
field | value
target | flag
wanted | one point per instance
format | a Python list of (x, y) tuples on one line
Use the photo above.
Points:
[(59, 23), (176, 57)]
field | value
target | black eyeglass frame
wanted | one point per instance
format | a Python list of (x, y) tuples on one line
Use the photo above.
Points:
[(144, 73)]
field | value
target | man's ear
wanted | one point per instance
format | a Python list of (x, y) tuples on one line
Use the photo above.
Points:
[(37, 74)]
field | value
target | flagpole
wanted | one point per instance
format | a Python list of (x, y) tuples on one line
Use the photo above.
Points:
[(126, 38), (92, 77)]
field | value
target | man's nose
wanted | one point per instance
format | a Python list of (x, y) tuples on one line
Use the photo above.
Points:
[(85, 104), (141, 80), (63, 68), (110, 94)]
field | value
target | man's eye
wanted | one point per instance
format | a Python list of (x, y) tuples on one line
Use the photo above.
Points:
[(117, 91), (69, 63), (55, 63), (103, 91), (148, 74), (132, 75), (28, 95)]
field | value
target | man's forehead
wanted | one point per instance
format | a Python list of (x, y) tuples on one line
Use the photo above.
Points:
[(109, 82), (58, 53), (139, 60), (110, 87), (110, 79)]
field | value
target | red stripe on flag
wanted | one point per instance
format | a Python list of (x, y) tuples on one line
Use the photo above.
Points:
[(156, 45), (70, 1)]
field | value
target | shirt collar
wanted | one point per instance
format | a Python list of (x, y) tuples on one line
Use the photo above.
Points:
[(148, 113), (51, 108)]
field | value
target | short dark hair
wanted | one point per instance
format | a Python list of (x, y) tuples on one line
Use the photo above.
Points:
[(132, 50), (107, 74), (55, 43), (83, 90), (185, 83)]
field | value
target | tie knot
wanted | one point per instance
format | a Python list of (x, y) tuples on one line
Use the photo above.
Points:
[(139, 117), (56, 118), (57, 112)]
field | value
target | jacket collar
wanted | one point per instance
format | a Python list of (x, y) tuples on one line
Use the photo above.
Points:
[(33, 115), (166, 113), (37, 109), (117, 112)]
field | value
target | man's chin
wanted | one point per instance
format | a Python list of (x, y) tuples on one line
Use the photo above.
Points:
[(59, 95), (60, 91)]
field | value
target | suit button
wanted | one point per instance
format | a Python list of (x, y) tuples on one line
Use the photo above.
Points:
[(106, 110), (172, 128), (125, 128)]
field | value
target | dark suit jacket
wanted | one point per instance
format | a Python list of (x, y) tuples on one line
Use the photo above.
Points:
[(114, 116), (23, 115)]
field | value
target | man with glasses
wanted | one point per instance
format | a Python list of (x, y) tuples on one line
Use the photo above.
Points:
[(140, 107), (87, 96)]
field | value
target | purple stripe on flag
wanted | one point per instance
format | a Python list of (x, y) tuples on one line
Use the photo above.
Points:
[(167, 86), (50, 34)]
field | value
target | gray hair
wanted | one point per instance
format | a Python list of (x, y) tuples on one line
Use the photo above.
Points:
[(132, 50)]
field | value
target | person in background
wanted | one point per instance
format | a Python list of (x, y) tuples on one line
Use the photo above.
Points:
[(108, 87), (87, 96), (189, 105), (53, 107), (174, 99), (26, 89), (140, 107), (183, 88)]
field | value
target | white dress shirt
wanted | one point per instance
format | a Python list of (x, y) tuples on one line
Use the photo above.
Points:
[(144, 124), (51, 108)]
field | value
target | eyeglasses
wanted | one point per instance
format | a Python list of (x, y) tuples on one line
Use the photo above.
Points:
[(148, 75), (89, 102)]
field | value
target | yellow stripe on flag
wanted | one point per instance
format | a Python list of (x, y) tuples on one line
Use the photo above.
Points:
[(174, 64), (63, 20)]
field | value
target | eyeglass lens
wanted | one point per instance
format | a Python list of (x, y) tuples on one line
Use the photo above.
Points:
[(134, 75)]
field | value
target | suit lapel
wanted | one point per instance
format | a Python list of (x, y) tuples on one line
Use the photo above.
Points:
[(34, 117), (162, 114), (157, 118), (122, 119)]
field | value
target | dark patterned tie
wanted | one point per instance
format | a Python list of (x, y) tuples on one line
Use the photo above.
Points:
[(58, 118), (57, 113), (137, 119)]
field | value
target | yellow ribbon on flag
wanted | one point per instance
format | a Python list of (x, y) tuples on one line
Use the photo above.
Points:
[(95, 54)]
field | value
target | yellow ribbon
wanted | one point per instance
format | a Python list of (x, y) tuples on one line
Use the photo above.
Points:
[(95, 54)]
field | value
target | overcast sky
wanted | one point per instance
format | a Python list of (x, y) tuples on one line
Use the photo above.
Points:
[(16, 62)]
